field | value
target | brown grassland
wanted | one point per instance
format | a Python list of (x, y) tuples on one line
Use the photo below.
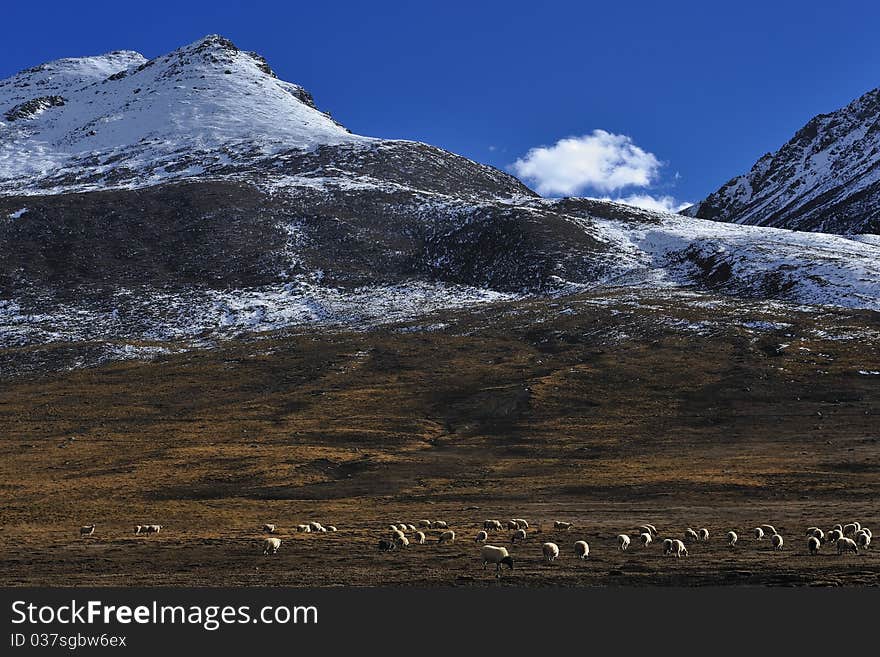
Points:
[(603, 416)]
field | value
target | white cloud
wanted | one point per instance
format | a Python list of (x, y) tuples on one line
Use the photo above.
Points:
[(602, 161), (648, 202)]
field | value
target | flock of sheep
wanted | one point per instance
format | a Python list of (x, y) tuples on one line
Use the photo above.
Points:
[(850, 537)]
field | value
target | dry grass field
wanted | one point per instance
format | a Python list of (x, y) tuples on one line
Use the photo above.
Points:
[(590, 410)]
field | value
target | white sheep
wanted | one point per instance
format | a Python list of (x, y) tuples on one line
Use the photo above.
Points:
[(511, 524), (652, 528), (305, 529), (331, 528), (559, 524), (703, 533), (863, 540), (833, 536), (777, 542), (646, 539), (492, 525), (867, 531), (411, 527), (316, 526), (732, 539), (521, 524), (420, 538), (271, 545), (424, 524), (150, 529), (817, 533), (813, 545), (679, 549), (440, 524), (518, 535), (668, 545), (769, 529), (581, 549), (810, 531), (401, 541), (497, 555), (759, 534), (402, 526), (550, 551), (622, 542), (269, 528), (690, 536), (481, 537), (846, 545), (397, 534), (850, 528), (647, 529), (447, 536), (87, 530)]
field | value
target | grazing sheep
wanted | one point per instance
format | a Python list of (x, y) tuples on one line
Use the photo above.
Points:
[(833, 536), (447, 536), (813, 545), (518, 535), (652, 529), (148, 529), (646, 529), (863, 540), (690, 536), (492, 525), (817, 533), (303, 528), (271, 545), (846, 545), (87, 530), (622, 542), (386, 545), (810, 531), (646, 539), (703, 533), (397, 534), (849, 529), (759, 534), (559, 524), (520, 523), (316, 526), (425, 524), (668, 545), (731, 539), (402, 526), (769, 529), (402, 541), (331, 528), (138, 529), (777, 542), (678, 549), (411, 527), (511, 524), (867, 531), (581, 549), (269, 528), (440, 524), (481, 537), (496, 555), (550, 551), (420, 538)]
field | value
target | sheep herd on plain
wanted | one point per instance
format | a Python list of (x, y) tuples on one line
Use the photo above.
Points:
[(845, 538)]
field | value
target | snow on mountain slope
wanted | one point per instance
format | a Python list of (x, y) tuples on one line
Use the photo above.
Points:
[(825, 179), (141, 122), (748, 261)]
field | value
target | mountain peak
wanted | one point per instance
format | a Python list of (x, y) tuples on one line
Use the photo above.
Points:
[(826, 178), (123, 118)]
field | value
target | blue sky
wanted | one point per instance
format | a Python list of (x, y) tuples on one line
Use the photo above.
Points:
[(661, 98)]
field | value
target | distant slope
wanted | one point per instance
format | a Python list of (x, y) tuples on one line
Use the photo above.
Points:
[(825, 179)]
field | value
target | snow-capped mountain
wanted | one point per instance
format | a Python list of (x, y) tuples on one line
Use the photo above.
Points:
[(119, 119), (195, 196), (825, 179)]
